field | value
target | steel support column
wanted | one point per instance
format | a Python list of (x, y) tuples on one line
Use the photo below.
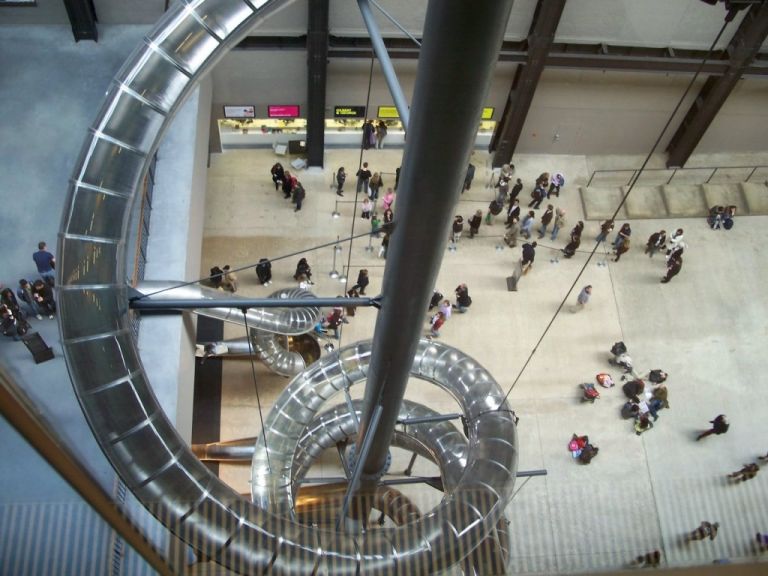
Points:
[(743, 48), (540, 39), (82, 17), (317, 75), (460, 46)]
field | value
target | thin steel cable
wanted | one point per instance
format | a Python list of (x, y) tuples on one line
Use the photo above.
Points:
[(249, 266), (354, 207), (255, 384), (621, 204)]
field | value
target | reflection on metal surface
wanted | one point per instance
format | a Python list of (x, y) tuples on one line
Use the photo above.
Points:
[(118, 401), (278, 335)]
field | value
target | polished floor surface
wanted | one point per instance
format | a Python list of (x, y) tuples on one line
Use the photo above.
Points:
[(706, 328)]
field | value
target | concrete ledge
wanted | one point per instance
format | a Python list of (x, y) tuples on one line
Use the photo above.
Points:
[(726, 195), (755, 197), (645, 202), (685, 201), (600, 203)]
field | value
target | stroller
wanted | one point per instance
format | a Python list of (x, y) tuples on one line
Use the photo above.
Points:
[(264, 271)]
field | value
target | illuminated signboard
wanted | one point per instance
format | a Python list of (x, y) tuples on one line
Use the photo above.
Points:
[(487, 113), (349, 111), (239, 112), (388, 112), (283, 111)]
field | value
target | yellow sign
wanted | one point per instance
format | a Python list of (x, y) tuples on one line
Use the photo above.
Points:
[(388, 112), (487, 113)]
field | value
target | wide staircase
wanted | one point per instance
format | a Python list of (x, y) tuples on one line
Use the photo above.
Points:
[(684, 198)]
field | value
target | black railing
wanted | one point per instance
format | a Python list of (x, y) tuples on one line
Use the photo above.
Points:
[(709, 172)]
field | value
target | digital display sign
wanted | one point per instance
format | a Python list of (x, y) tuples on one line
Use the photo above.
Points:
[(283, 111), (388, 112), (349, 111), (239, 112), (487, 113)]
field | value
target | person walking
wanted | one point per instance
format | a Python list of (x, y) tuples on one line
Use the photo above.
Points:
[(559, 223), (705, 530), (341, 177), (45, 263), (363, 179), (375, 185), (624, 233), (583, 298), (719, 426), (537, 196), (510, 238), (546, 218), (469, 177), (513, 212), (747, 472), (527, 224), (605, 229), (575, 241), (515, 191), (362, 281), (674, 265), (529, 255), (657, 241)]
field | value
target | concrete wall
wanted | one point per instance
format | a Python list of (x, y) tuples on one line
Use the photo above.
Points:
[(167, 343)]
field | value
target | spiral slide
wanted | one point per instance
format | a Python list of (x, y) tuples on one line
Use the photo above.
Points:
[(117, 399), (268, 327)]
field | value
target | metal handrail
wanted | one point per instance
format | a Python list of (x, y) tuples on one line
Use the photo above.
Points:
[(634, 172)]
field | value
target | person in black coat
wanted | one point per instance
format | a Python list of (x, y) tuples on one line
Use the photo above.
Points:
[(362, 281)]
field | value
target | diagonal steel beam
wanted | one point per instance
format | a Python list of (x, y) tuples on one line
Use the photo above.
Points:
[(743, 48), (540, 39)]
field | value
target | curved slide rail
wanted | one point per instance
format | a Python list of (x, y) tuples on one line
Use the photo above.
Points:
[(267, 325), (111, 383)]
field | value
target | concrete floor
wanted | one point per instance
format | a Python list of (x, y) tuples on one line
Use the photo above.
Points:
[(706, 328)]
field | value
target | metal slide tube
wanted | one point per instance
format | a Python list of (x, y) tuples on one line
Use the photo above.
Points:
[(461, 42), (386, 64), (110, 381)]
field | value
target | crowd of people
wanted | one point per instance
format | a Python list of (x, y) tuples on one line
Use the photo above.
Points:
[(30, 299)]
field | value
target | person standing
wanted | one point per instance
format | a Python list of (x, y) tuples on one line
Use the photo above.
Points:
[(366, 209), (537, 196), (510, 238), (657, 241), (375, 224), (24, 293), (624, 233), (463, 300), (381, 133), (675, 241), (469, 176), (674, 265), (289, 183), (575, 241), (388, 199), (559, 223), (436, 323), (298, 196), (363, 178), (457, 228), (229, 280), (527, 224), (341, 177), (515, 191), (45, 263), (605, 229), (513, 213), (474, 223), (546, 218), (719, 426), (375, 185), (368, 134), (529, 255), (278, 174), (43, 296), (583, 298)]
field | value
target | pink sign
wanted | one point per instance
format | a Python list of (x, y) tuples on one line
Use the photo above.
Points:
[(283, 111)]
